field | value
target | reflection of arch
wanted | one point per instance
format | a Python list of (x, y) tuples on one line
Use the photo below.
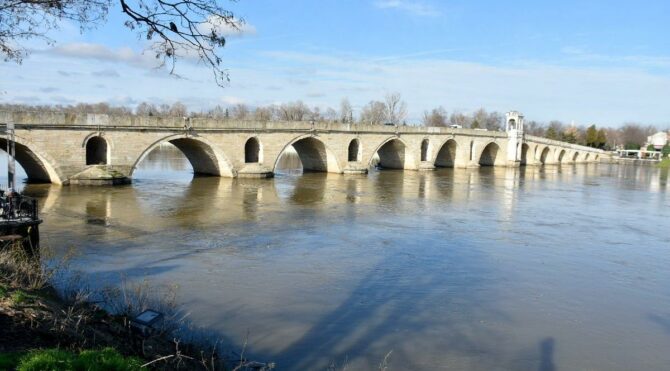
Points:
[(252, 151), (36, 165), (314, 155), (561, 154), (392, 154), (446, 157), (97, 152), (424, 150), (354, 151), (524, 153), (489, 155), (544, 154), (204, 158)]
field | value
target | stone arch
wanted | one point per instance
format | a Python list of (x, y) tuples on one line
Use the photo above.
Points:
[(490, 155), (38, 166), (544, 155), (525, 148), (314, 155), (560, 156), (596, 158), (201, 154), (575, 156), (425, 144), (586, 157), (392, 153), (446, 157), (97, 150), (354, 151), (252, 151)]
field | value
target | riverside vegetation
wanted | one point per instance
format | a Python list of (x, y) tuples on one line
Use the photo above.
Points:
[(75, 328)]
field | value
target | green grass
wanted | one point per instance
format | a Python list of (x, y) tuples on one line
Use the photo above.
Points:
[(664, 164), (9, 361), (107, 359), (20, 297), (3, 291)]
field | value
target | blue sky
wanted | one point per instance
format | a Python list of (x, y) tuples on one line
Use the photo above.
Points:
[(604, 62)]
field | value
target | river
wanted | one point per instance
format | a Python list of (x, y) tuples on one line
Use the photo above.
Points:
[(480, 269)]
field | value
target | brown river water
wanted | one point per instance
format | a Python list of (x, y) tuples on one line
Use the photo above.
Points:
[(555, 268)]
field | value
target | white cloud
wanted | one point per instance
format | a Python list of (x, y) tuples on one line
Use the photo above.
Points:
[(409, 6), (226, 28), (103, 53)]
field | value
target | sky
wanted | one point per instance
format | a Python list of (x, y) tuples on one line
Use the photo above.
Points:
[(589, 61)]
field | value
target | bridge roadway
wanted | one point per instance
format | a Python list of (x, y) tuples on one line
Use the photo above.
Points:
[(77, 148)]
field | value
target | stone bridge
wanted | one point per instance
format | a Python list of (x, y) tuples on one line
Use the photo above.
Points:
[(67, 148)]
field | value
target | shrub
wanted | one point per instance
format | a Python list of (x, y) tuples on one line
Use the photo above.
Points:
[(107, 359), (8, 361)]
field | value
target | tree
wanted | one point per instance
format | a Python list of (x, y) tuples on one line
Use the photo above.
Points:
[(263, 113), (179, 29), (374, 113), (346, 112), (437, 117), (293, 111), (554, 130), (570, 135), (633, 136), (592, 136), (239, 111), (601, 139), (146, 109), (457, 118), (396, 108), (178, 109), (666, 150), (330, 115)]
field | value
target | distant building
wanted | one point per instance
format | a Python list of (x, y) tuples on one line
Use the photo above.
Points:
[(658, 140)]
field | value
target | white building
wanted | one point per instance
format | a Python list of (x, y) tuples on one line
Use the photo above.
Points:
[(658, 140)]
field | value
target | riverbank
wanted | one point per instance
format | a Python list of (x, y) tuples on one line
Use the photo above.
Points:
[(664, 164), (43, 328)]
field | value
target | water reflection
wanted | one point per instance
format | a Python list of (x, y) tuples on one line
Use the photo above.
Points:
[(476, 269)]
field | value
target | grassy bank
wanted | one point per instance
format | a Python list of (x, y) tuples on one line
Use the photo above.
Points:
[(73, 329), (664, 164)]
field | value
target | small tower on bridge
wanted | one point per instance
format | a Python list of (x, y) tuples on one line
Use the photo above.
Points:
[(514, 127)]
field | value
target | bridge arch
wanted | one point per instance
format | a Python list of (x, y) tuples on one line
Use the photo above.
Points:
[(314, 155), (560, 156), (525, 148), (596, 158), (425, 146), (253, 152), (97, 150), (354, 151), (544, 155), (575, 157), (586, 157), (490, 155), (203, 156), (446, 156), (38, 166), (392, 152)]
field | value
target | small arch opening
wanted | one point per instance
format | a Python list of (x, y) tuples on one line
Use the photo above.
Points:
[(96, 151), (424, 150), (252, 151), (354, 151), (446, 157), (489, 155), (512, 124), (575, 157), (524, 154), (561, 155), (543, 155)]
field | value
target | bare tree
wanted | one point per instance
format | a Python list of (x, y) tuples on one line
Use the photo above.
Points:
[(346, 112), (178, 109), (263, 113), (458, 118), (146, 109), (396, 108), (239, 111), (374, 113), (436, 117), (293, 111), (176, 29), (330, 115)]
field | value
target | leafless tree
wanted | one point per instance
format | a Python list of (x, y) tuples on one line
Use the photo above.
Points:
[(437, 117), (263, 113), (239, 111), (175, 29), (346, 112), (293, 111), (178, 109), (330, 115), (146, 109), (374, 113), (396, 108), (458, 118)]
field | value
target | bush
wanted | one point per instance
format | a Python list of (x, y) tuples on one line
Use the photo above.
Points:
[(8, 361), (666, 150), (107, 359)]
